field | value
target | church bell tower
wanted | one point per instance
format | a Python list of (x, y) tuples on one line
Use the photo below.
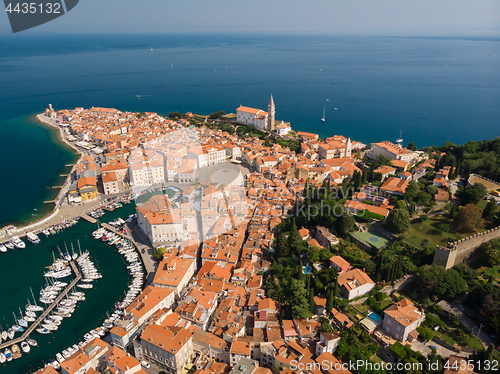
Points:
[(271, 110)]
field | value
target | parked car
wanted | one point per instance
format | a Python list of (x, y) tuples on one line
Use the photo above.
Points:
[(146, 364)]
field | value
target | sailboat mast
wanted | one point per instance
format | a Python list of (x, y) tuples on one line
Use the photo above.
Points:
[(34, 300)]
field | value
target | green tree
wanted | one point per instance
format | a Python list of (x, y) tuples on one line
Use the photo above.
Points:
[(358, 180), (451, 175), (490, 210), (473, 194), (453, 211), (431, 189), (283, 248), (294, 238), (468, 171), (335, 289), (447, 160), (452, 285), (398, 220), (423, 198), (311, 300), (381, 160), (469, 218), (491, 252), (300, 272), (158, 255), (345, 223), (329, 301), (411, 190), (401, 204), (175, 115), (325, 325), (299, 300), (412, 147), (425, 333), (217, 115), (399, 350)]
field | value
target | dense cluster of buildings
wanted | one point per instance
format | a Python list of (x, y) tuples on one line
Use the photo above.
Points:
[(206, 307)]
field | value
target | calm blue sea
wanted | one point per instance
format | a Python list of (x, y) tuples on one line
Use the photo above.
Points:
[(433, 89)]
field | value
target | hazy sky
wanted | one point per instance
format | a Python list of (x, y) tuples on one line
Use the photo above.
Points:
[(387, 17)]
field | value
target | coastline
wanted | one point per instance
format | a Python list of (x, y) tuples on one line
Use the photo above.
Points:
[(23, 230), (62, 192)]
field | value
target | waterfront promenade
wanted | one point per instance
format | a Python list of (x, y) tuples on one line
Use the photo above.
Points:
[(65, 212), (46, 312)]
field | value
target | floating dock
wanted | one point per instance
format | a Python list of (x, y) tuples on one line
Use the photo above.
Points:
[(124, 236), (46, 312)]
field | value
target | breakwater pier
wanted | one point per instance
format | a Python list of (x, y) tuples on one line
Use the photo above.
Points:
[(46, 312)]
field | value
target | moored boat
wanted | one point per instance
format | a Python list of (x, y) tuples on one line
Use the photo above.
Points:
[(59, 358), (25, 347), (56, 365), (18, 242), (9, 245), (32, 342), (18, 328), (33, 238), (49, 326), (85, 285), (16, 352)]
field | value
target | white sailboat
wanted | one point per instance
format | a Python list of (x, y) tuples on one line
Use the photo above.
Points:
[(35, 307), (400, 140), (323, 119)]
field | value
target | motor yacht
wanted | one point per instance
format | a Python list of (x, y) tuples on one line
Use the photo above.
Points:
[(18, 242), (25, 347), (33, 238)]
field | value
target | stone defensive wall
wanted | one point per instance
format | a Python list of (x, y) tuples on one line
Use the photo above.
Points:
[(458, 251)]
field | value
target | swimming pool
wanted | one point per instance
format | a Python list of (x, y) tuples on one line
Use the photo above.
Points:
[(307, 269), (375, 317)]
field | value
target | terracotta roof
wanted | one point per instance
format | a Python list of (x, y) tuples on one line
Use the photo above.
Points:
[(403, 312), (353, 279)]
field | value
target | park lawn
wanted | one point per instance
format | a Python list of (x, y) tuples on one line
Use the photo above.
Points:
[(376, 358), (428, 229), (447, 338), (474, 343), (352, 313), (363, 308), (386, 303), (482, 204)]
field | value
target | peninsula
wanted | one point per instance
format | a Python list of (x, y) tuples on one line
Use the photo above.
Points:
[(278, 251)]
